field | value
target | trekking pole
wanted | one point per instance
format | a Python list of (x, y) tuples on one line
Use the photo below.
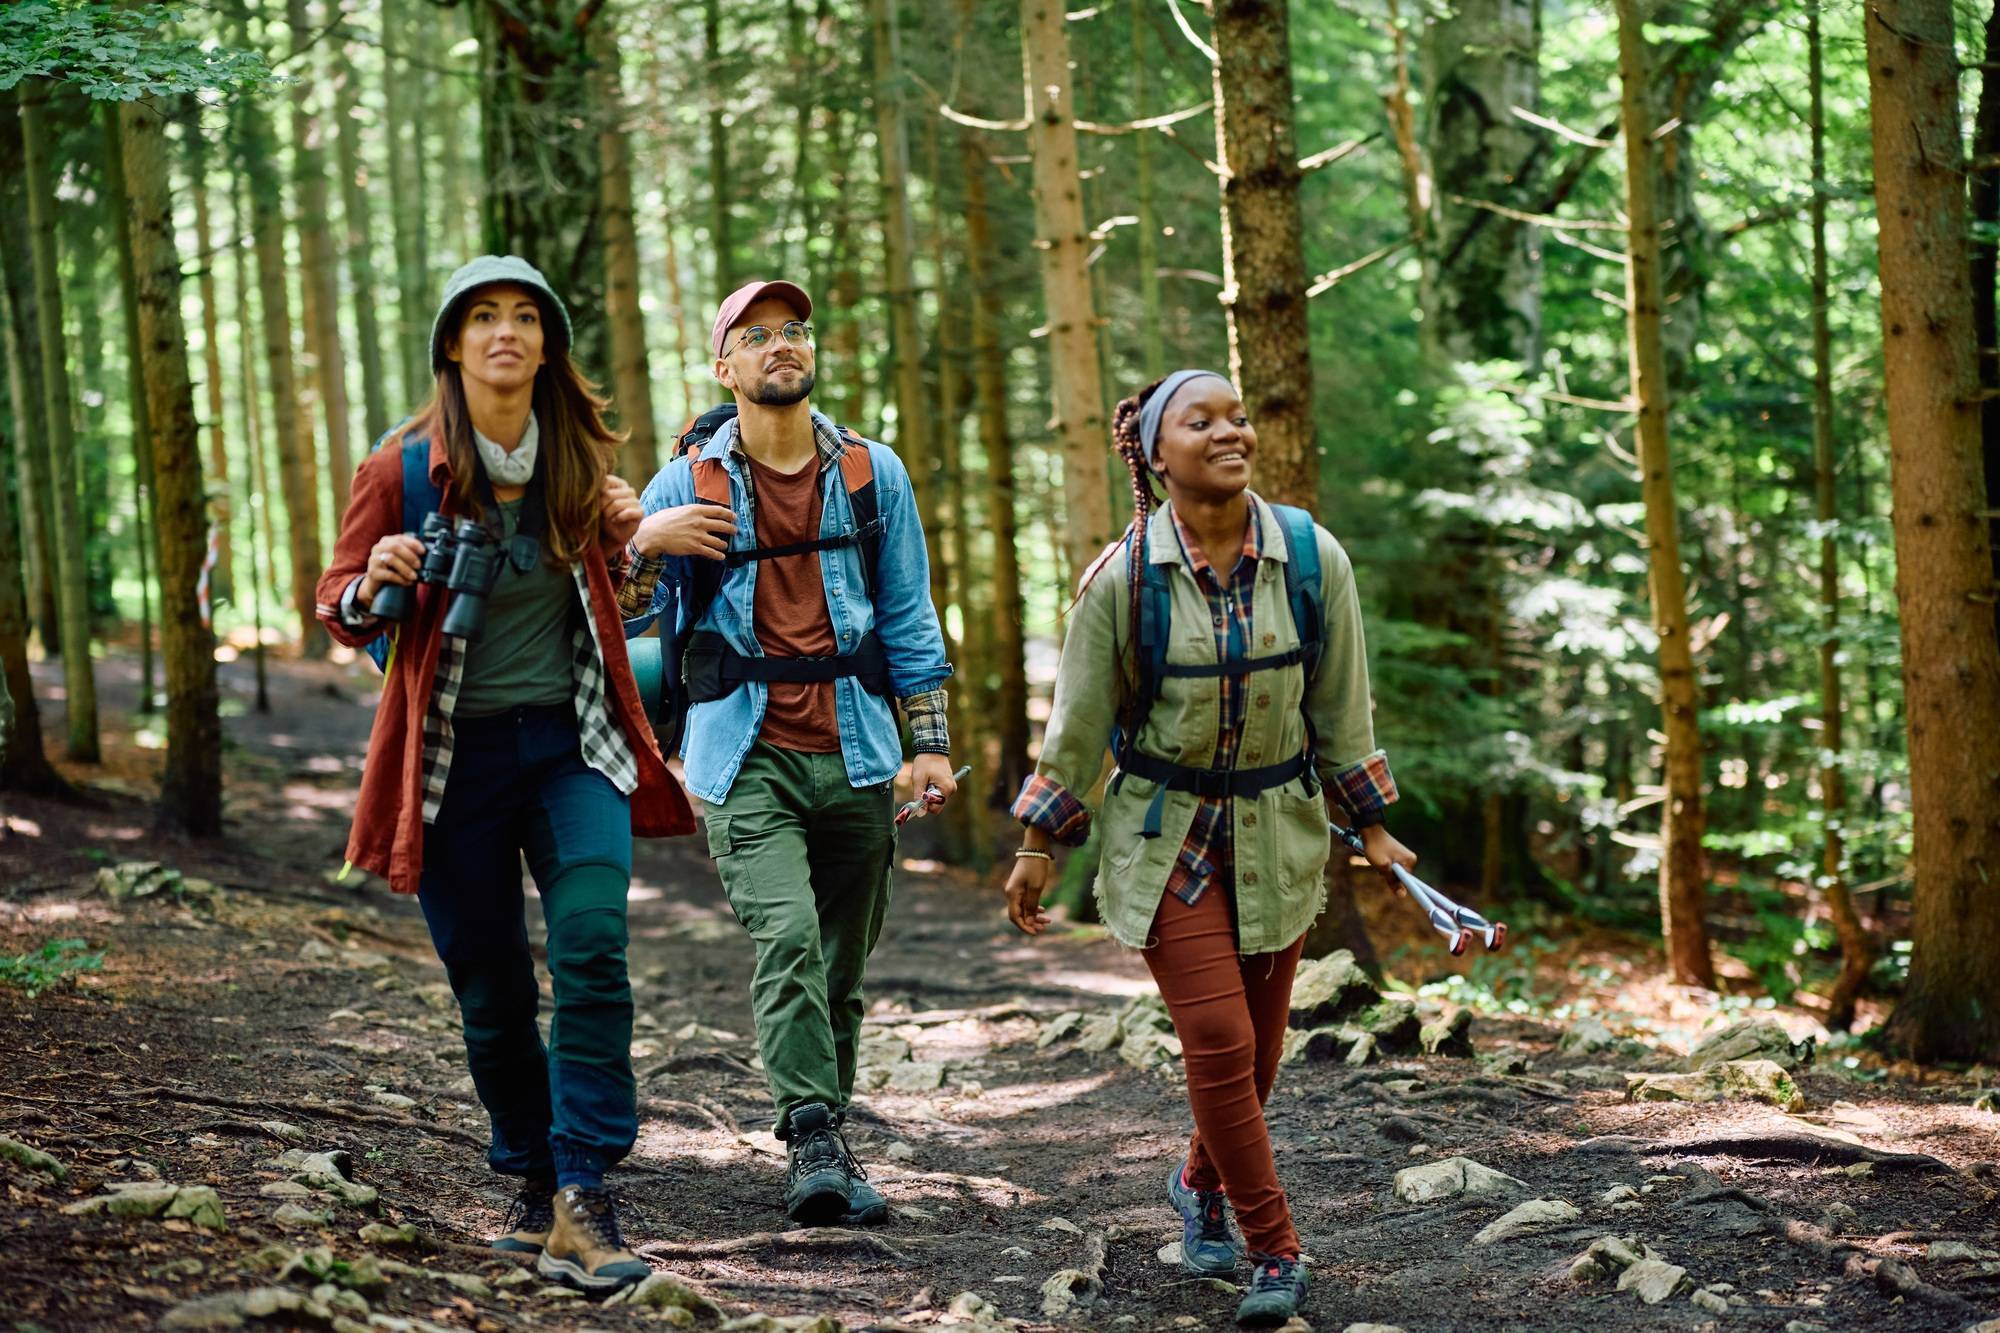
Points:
[(922, 805), (1457, 924)]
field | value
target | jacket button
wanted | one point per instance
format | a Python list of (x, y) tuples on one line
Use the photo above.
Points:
[(1249, 877), (1250, 819), (1263, 701)]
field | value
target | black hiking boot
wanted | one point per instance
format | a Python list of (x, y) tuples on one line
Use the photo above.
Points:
[(865, 1205), (1277, 1290), (817, 1181), (530, 1218)]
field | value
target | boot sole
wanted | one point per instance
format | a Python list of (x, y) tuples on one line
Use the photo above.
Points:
[(572, 1274)]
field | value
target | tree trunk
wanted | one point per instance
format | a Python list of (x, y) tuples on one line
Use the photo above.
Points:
[(24, 370), (1944, 575), (544, 196), (913, 413), (1856, 950), (59, 439), (1985, 268), (224, 579), (359, 236), (1079, 423), (631, 377), (1152, 346), (296, 471), (842, 318), (401, 96), (687, 347), (191, 784), (721, 237), (1682, 884), (135, 389), (1483, 61), (24, 764), (319, 283), (262, 557), (1263, 259), (1008, 660)]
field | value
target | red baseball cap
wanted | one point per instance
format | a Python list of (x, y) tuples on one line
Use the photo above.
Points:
[(748, 295)]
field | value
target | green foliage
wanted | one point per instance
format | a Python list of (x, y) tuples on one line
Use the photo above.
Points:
[(50, 966), (116, 54)]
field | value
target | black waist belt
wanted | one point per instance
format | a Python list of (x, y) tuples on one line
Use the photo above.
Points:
[(712, 669), (1209, 783)]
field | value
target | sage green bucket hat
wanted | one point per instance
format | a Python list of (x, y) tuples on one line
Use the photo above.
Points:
[(484, 272)]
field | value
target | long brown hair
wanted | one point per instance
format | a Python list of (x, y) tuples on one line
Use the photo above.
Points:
[(578, 449)]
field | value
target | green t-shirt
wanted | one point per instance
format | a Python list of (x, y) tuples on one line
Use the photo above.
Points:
[(523, 656)]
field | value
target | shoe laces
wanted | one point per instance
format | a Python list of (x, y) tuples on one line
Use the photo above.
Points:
[(533, 1209), (1214, 1220), (596, 1212), (820, 1148), (1274, 1273)]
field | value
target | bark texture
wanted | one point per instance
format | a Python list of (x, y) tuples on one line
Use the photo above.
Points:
[(631, 376), (191, 783), (1985, 188), (1944, 575), (1683, 888), (319, 282), (135, 392), (59, 439), (358, 234), (1263, 259), (1060, 235), (24, 370), (222, 582)]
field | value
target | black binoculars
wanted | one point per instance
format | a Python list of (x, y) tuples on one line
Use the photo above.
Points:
[(465, 558)]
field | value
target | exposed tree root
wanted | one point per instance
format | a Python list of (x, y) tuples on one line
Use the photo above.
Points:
[(824, 1238), (1805, 1148)]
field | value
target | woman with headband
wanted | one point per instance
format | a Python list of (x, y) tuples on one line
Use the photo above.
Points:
[(1240, 718)]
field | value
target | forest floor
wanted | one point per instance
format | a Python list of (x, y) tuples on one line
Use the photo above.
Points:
[(1023, 1151)]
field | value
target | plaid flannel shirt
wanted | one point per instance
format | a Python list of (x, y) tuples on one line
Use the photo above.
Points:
[(929, 733), (1364, 789), (603, 745)]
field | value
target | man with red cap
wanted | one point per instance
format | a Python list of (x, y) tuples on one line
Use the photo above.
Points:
[(787, 559)]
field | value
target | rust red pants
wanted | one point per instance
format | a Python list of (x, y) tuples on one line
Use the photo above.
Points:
[(1229, 1011)]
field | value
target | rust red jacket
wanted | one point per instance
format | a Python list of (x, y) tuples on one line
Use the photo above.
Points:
[(388, 833)]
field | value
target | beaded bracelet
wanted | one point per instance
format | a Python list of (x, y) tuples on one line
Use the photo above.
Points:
[(1028, 852)]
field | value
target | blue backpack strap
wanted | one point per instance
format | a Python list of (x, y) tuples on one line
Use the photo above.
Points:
[(421, 498), (1302, 593)]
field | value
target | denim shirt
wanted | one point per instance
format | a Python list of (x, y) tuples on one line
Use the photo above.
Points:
[(720, 733)]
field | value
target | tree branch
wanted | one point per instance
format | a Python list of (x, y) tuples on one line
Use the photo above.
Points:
[(1328, 281), (1326, 157), (1187, 31), (1150, 123), (1539, 219), (1560, 129)]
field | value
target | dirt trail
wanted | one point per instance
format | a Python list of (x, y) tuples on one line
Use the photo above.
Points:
[(289, 1012)]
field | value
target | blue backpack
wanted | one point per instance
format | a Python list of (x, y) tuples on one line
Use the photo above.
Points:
[(421, 498), (1302, 594)]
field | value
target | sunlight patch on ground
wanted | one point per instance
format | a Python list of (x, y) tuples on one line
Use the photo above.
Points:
[(640, 894), (999, 1103), (27, 828), (115, 832), (1104, 983)]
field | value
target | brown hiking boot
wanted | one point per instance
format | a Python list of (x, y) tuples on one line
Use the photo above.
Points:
[(529, 1220), (584, 1248)]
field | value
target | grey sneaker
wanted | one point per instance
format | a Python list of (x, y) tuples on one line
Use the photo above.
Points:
[(1208, 1244), (817, 1181), (1277, 1290)]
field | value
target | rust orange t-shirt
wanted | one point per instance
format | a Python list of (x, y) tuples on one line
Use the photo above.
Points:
[(790, 609)]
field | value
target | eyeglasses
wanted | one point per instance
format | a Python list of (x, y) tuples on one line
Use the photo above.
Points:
[(797, 332)]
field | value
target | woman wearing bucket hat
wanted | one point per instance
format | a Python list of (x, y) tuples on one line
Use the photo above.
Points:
[(1241, 709), (521, 736)]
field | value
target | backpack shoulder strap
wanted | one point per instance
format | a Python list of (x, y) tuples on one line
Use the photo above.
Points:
[(857, 474), (421, 496), (1302, 582), (711, 485)]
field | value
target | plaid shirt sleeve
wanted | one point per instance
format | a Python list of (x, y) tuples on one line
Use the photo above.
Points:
[(1047, 805), (1364, 789), (929, 732), (641, 576)]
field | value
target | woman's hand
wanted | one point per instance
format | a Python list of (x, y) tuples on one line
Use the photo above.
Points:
[(1385, 853), (700, 528), (395, 559), (618, 513), (1024, 894)]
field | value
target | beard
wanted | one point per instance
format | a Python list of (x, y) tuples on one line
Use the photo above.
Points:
[(769, 394)]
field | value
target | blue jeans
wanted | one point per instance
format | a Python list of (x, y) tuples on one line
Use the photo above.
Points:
[(519, 786)]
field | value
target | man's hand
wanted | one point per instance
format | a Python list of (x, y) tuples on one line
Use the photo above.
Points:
[(1385, 853), (700, 528), (395, 559), (618, 513), (1024, 894), (933, 770)]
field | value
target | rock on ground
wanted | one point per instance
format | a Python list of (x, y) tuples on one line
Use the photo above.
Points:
[(1329, 990), (1751, 1039), (1450, 1037), (1452, 1177), (1653, 1280), (1530, 1216), (33, 1158), (1759, 1080)]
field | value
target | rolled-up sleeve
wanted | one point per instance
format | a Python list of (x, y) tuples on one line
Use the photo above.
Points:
[(1081, 715), (1341, 705)]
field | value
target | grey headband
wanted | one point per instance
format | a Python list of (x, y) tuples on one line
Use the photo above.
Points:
[(1156, 408)]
